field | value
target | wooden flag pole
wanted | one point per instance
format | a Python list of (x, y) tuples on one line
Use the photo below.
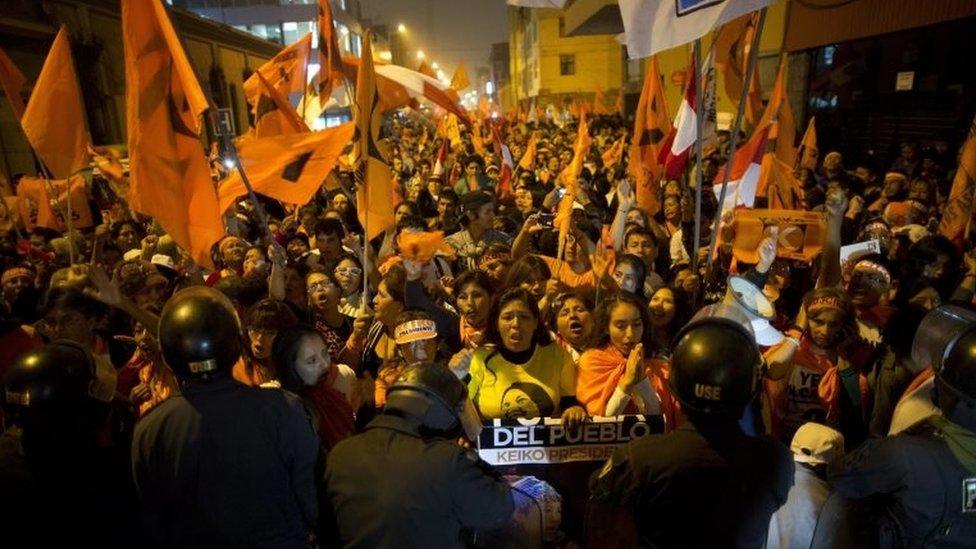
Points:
[(699, 119), (734, 137)]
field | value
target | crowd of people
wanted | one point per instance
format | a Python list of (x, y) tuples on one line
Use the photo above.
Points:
[(316, 387)]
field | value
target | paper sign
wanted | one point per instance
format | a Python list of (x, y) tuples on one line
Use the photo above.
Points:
[(545, 440), (905, 81)]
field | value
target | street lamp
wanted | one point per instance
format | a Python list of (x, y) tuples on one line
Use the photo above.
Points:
[(420, 54), (401, 28)]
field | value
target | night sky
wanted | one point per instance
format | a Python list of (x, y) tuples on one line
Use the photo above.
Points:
[(448, 31)]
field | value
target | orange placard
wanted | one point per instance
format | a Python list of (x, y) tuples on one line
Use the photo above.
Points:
[(801, 234)]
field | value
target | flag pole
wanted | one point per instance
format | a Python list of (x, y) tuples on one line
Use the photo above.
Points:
[(734, 138), (699, 119)]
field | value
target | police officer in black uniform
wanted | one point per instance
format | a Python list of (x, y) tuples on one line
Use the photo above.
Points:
[(706, 484), (405, 482), (64, 472), (222, 464), (925, 477)]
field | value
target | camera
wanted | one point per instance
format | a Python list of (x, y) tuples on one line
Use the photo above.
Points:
[(546, 220)]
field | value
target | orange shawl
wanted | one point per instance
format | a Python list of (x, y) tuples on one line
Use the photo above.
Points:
[(830, 390), (601, 369), (599, 372)]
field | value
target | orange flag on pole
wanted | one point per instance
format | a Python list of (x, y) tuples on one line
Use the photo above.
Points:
[(732, 44), (286, 72), (528, 157), (598, 106), (424, 68), (289, 168), (44, 203), (330, 58), (782, 131), (460, 79), (618, 105), (612, 156), (651, 125), (808, 155), (274, 115), (168, 171), (54, 119), (959, 208), (374, 196), (12, 81)]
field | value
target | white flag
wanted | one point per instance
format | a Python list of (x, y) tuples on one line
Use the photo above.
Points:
[(651, 26)]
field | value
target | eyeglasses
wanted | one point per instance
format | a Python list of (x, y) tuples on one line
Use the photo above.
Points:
[(349, 271), (323, 284)]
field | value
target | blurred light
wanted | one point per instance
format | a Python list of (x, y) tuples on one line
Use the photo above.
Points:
[(386, 56), (401, 28), (440, 73), (489, 87), (434, 65), (229, 163), (420, 54)]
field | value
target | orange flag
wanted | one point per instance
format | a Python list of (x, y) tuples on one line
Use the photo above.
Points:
[(782, 131), (424, 68), (651, 125), (54, 120), (460, 79), (374, 196), (44, 203), (808, 155), (422, 247), (286, 72), (528, 157), (289, 168), (598, 106), (12, 81), (330, 58), (618, 105), (274, 115), (581, 147), (732, 44), (168, 171), (959, 207), (476, 140), (612, 156)]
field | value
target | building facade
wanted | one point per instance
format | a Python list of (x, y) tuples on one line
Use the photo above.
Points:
[(223, 57), (548, 65)]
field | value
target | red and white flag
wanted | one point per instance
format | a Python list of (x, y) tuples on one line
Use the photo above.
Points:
[(677, 146), (744, 177), (504, 189), (438, 170)]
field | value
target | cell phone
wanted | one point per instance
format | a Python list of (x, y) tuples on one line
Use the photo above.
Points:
[(561, 192), (546, 220)]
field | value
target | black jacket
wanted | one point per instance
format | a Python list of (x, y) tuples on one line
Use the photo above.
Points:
[(225, 464), (389, 487)]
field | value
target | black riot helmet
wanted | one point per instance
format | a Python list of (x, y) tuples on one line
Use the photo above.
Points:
[(48, 384), (200, 333), (715, 364), (436, 398), (946, 341)]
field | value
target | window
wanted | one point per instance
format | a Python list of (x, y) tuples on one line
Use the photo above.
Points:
[(567, 65)]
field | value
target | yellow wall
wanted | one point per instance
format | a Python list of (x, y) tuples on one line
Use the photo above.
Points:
[(599, 60)]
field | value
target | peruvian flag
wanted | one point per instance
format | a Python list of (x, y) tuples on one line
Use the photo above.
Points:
[(677, 145), (501, 149), (744, 177), (438, 170)]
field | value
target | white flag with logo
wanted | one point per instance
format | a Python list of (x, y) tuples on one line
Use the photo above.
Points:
[(651, 26)]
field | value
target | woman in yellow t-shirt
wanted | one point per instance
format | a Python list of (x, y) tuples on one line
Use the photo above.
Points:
[(522, 372)]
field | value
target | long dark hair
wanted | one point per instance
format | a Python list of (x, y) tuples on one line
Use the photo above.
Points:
[(528, 266), (640, 270), (601, 323), (284, 355), (541, 335)]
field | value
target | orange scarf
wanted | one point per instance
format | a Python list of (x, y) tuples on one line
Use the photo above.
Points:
[(471, 337), (830, 390), (658, 371)]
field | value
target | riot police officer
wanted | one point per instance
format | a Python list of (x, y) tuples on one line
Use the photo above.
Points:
[(63, 476), (705, 484), (221, 463), (926, 476), (405, 482)]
